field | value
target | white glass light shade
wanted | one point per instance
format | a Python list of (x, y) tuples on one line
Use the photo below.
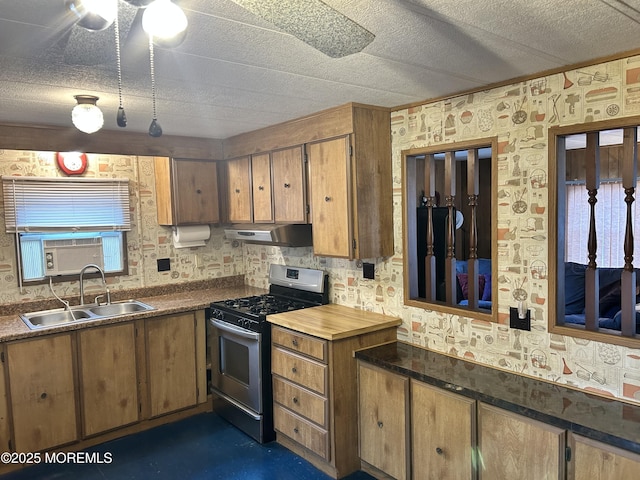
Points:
[(86, 116), (163, 19), (94, 15)]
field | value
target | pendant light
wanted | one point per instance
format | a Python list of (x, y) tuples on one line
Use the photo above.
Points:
[(86, 115)]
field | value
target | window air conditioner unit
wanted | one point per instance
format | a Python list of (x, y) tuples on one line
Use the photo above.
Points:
[(67, 257)]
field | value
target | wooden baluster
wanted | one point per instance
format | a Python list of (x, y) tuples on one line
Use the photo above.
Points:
[(473, 188), (592, 282), (430, 259), (450, 197), (629, 178)]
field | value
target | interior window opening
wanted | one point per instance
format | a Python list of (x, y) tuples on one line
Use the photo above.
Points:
[(448, 221), (596, 218)]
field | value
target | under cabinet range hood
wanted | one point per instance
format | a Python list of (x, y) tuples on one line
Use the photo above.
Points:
[(286, 235)]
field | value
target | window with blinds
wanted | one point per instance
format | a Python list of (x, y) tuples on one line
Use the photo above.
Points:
[(35, 204), (49, 216)]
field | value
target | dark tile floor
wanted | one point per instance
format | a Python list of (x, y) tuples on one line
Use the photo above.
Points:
[(200, 447)]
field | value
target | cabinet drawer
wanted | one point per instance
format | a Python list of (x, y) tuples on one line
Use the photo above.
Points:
[(299, 342), (300, 401), (302, 431), (298, 369)]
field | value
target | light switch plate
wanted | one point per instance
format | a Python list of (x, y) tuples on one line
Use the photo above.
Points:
[(520, 323), (368, 271)]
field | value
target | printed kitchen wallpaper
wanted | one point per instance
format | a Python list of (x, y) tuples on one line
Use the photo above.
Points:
[(519, 115), (146, 242)]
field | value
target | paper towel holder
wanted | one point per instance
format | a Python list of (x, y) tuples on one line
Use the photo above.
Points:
[(190, 236)]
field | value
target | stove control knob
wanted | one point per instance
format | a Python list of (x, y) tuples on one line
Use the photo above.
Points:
[(219, 314)]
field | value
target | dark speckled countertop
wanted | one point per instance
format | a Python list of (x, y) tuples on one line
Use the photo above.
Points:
[(172, 299), (603, 419)]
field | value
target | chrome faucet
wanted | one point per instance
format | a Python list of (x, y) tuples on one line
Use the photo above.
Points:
[(96, 267)]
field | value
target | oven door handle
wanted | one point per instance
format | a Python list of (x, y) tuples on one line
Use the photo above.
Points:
[(227, 327)]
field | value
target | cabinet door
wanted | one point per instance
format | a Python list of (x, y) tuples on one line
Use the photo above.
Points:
[(171, 363), (383, 412), (43, 393), (442, 433), (513, 446), (186, 191), (239, 190), (261, 186), (289, 186), (330, 183), (108, 379), (5, 433), (195, 191), (597, 461)]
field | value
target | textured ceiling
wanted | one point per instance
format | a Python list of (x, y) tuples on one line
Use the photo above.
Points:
[(235, 72)]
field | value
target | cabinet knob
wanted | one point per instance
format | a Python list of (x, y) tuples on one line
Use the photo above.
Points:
[(294, 342), (380, 424), (287, 185), (260, 187), (294, 370), (44, 395), (327, 199), (198, 191), (295, 430), (237, 190), (439, 451), (295, 400)]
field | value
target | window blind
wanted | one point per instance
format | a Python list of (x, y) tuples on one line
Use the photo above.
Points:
[(34, 204)]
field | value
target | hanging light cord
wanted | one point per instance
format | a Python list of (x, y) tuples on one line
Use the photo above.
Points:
[(153, 77), (117, 30)]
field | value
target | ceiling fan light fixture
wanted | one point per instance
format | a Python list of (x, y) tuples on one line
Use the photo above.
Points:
[(164, 20), (94, 15), (86, 115)]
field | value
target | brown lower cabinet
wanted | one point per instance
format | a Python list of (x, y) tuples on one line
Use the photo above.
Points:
[(409, 429), (599, 461), (315, 395), (43, 392), (75, 387)]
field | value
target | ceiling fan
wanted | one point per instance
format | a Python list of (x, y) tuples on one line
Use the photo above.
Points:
[(314, 22)]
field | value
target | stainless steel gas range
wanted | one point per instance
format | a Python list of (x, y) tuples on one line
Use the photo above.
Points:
[(241, 346)]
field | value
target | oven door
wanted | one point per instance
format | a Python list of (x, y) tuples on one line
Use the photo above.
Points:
[(236, 364)]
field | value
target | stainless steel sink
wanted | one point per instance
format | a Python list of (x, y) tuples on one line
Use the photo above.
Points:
[(82, 313), (120, 308)]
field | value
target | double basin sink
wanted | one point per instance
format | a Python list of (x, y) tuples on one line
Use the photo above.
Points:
[(82, 313)]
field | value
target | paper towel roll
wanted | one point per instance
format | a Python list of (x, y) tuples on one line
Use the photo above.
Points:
[(191, 236)]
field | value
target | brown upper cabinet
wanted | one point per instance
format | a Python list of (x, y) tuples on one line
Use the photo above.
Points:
[(348, 155), (239, 190), (289, 185), (261, 186), (186, 191)]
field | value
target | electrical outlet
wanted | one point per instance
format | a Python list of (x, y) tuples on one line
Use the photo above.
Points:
[(164, 264), (520, 323)]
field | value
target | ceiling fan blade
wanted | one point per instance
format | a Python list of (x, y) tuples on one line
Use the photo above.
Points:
[(86, 47), (315, 23)]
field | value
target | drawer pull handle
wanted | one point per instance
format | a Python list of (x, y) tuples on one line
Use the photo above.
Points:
[(237, 190), (295, 400), (295, 430), (287, 185), (294, 342), (294, 370), (380, 424), (439, 451), (260, 187), (327, 199), (43, 396)]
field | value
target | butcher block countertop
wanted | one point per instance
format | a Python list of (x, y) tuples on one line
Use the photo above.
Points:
[(333, 322)]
